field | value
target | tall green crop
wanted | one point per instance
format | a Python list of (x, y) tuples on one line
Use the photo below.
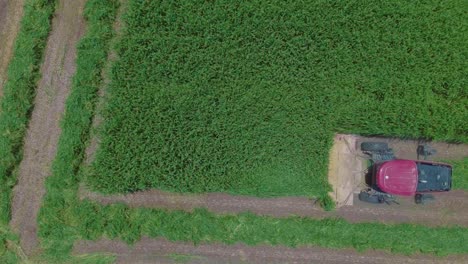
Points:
[(245, 96)]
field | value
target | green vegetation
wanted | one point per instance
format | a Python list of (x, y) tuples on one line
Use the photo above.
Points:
[(19, 91), (16, 103), (118, 221), (9, 245), (244, 96), (56, 218), (460, 173), (64, 219)]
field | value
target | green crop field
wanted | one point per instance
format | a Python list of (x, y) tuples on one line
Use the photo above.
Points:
[(245, 96), (64, 218)]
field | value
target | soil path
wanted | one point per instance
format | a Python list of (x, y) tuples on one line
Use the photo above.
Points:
[(42, 136), (448, 209), (163, 251), (11, 12)]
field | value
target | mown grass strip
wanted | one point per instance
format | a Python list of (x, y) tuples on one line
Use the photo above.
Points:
[(119, 221), (16, 104), (56, 223)]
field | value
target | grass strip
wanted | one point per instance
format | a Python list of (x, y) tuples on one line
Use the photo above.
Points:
[(16, 105), (92, 52), (17, 100), (460, 173), (119, 221)]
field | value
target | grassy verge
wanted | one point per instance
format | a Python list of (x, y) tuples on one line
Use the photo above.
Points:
[(118, 221), (16, 105), (7, 253), (219, 96), (56, 220)]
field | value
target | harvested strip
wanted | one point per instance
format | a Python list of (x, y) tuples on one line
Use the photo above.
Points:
[(43, 132), (154, 250), (448, 208), (11, 12)]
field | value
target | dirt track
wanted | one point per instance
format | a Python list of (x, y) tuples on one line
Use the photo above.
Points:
[(11, 12), (42, 136), (160, 251), (448, 209)]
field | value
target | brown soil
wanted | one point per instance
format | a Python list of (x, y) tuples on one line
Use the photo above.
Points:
[(162, 251), (42, 136), (216, 202), (448, 208), (11, 12)]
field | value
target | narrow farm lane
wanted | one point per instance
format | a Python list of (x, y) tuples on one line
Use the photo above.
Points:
[(42, 136), (11, 12), (448, 209), (162, 251)]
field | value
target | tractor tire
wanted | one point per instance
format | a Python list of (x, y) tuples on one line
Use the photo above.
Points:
[(423, 198), (374, 146), (366, 197)]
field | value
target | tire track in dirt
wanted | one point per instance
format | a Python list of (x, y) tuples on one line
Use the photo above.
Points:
[(449, 208), (11, 12), (160, 251), (41, 139)]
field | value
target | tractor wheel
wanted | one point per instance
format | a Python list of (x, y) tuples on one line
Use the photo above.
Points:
[(423, 198), (366, 197), (374, 146)]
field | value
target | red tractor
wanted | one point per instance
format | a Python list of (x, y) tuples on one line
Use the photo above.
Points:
[(389, 176)]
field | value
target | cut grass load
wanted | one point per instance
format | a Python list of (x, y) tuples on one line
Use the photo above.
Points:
[(244, 96)]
